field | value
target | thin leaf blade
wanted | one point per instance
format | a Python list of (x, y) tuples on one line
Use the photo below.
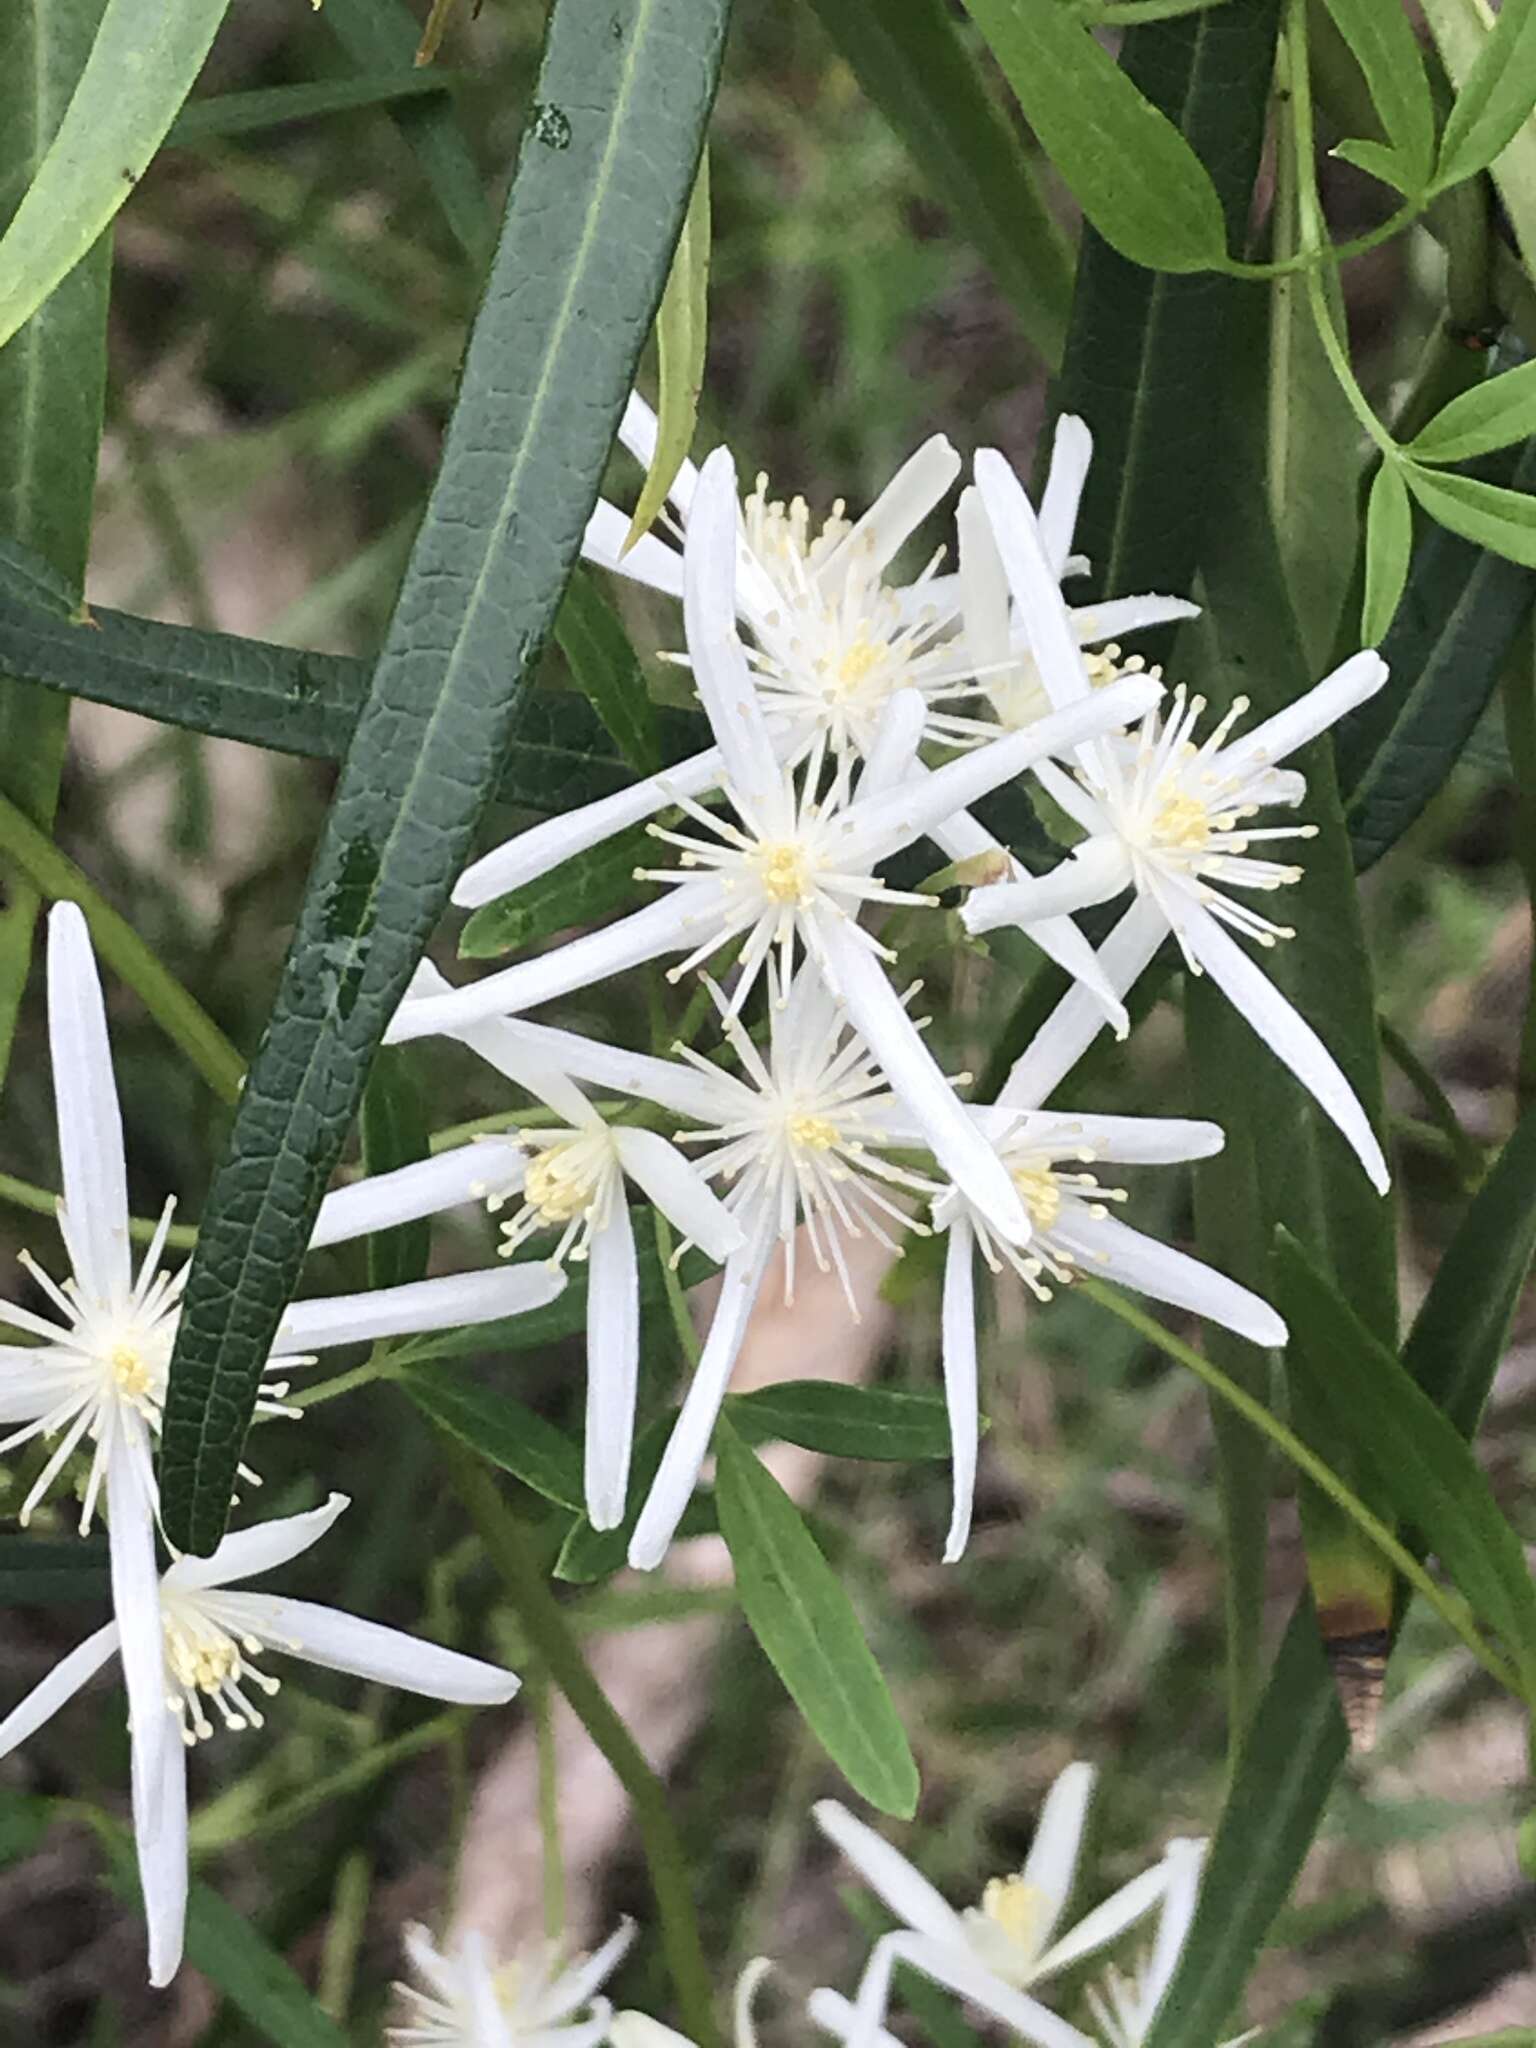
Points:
[(682, 336)]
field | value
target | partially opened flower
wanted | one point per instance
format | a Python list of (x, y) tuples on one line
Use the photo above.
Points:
[(464, 1998), (994, 1954), (1125, 2005), (1169, 818), (189, 1648)]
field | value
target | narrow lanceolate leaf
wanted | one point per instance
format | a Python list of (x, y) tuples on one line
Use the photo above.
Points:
[(142, 66), (913, 65), (44, 1571), (245, 113), (1383, 40), (844, 1422), (605, 670), (1388, 547), (682, 335), (591, 219), (589, 1554), (1493, 414), (51, 381), (503, 1430), (394, 1126), (808, 1629), (1486, 514), (580, 891), (1135, 176), (1494, 99), (1417, 1457)]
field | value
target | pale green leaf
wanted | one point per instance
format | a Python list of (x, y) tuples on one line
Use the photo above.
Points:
[(1493, 414), (1504, 521), (682, 333), (1387, 50), (1388, 548), (1495, 96)]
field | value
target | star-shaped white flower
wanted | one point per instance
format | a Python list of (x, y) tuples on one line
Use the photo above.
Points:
[(1168, 817), (792, 873), (994, 1954), (639, 2030), (466, 2000), (189, 1648), (571, 1179), (1054, 1158)]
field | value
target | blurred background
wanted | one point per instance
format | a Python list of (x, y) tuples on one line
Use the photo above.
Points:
[(288, 313)]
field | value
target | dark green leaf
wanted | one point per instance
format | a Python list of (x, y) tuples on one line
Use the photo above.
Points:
[(141, 67), (1486, 514), (503, 1430), (45, 1570), (1495, 97), (601, 182), (243, 113), (809, 1631), (1388, 546), (579, 891), (914, 67), (1420, 1461), (23, 1823), (1135, 176), (1383, 40), (1493, 414), (394, 1127), (380, 36), (606, 672), (845, 1422)]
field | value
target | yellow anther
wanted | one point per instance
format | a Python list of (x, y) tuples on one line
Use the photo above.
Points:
[(813, 1131), (1183, 822), (1042, 1198), (558, 1188), (1015, 1907), (782, 865), (132, 1374), (857, 662)]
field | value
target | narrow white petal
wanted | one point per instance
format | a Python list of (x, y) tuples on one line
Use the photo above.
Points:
[(1185, 1861), (1071, 453), (677, 920), (1323, 705), (1060, 940), (426, 1186), (136, 1601), (720, 672), (575, 1987), (688, 1445), (650, 561), (366, 1649), (707, 1098), (62, 1683), (161, 1841), (1094, 872), (95, 1178), (959, 1972), (546, 846), (1285, 1031), (1112, 1250), (889, 1875), (1108, 1921), (893, 754), (983, 586), (833, 2013), (446, 1303), (489, 2026), (898, 512), (639, 2030), (613, 1364), (30, 1385), (961, 1150), (245, 1552), (960, 1391), (638, 430), (1078, 1018), (1127, 1140), (1120, 616), (679, 1191), (1035, 583), (1051, 1864)]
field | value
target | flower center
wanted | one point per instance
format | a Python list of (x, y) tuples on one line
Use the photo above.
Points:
[(1016, 1908), (1182, 822), (1041, 1191), (204, 1662), (784, 871), (814, 1132), (560, 1183), (857, 662), (132, 1372)]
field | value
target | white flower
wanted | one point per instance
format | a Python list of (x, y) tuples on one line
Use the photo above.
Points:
[(1124, 2007), (992, 1954), (188, 1645), (570, 1178), (639, 2030), (1053, 1157), (1169, 819), (97, 1378), (534, 2001), (790, 872)]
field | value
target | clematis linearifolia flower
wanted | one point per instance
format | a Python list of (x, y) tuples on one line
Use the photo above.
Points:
[(465, 1999)]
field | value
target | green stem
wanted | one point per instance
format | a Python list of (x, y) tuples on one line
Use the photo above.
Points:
[(549, 1812), (378, 1366), (1448, 1606), (544, 1623), (362, 1771), (1519, 694), (22, 1194), (1465, 1152), (178, 1014)]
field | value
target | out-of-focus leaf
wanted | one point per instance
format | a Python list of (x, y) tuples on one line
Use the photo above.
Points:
[(1493, 100), (809, 1631), (914, 67), (579, 891), (1493, 414), (1388, 546), (1133, 173), (682, 335), (1483, 513), (1383, 41), (43, 1570), (243, 113), (607, 674), (395, 1133), (503, 1430), (844, 1422)]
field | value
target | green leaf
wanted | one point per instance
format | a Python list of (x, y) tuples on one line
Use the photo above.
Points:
[(394, 1127), (1493, 414), (682, 334), (1134, 175), (381, 36), (845, 1422), (913, 65), (1382, 161), (1419, 1459), (606, 672), (589, 1554), (142, 66), (1383, 41), (591, 218), (45, 1571), (579, 891), (1388, 547), (244, 113), (1494, 100), (51, 382), (1493, 517), (503, 1430), (809, 1631)]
